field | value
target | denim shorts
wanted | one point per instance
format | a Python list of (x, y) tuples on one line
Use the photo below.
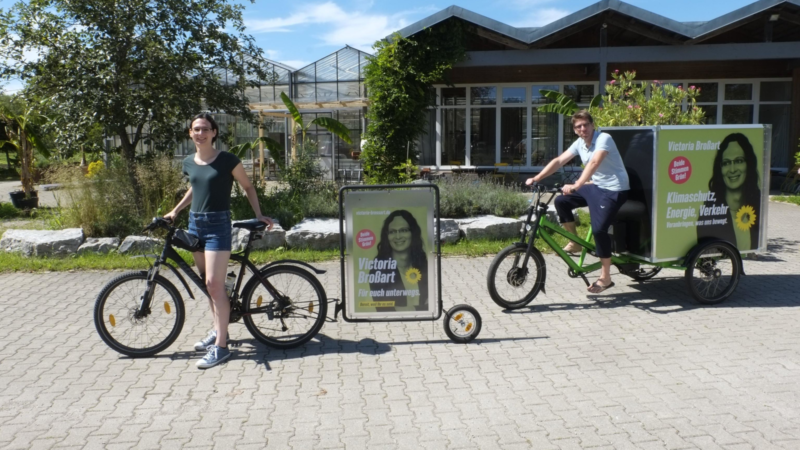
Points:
[(212, 228)]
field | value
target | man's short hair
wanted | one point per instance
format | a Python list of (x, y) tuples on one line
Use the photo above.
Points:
[(584, 115)]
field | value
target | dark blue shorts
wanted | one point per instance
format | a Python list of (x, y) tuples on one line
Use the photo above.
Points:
[(213, 229)]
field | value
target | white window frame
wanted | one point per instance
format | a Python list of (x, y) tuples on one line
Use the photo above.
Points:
[(498, 105)]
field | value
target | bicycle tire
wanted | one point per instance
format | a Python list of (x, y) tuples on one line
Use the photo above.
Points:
[(115, 321), (307, 295), (712, 274), (462, 323), (515, 289)]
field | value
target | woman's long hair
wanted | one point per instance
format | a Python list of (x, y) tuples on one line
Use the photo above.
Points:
[(416, 250), (750, 190)]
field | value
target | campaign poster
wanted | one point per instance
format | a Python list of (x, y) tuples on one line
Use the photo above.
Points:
[(390, 258), (710, 182)]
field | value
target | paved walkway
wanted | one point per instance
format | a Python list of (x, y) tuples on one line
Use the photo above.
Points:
[(638, 367)]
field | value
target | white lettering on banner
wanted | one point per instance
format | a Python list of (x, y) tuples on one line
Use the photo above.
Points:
[(692, 146), (685, 213), (377, 277), (369, 264), (713, 210), (675, 197)]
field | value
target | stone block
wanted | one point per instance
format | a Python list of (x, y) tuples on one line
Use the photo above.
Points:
[(42, 242), (99, 245)]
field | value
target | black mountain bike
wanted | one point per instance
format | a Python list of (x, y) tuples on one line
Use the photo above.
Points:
[(141, 313)]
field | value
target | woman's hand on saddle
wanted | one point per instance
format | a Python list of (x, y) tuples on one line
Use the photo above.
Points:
[(267, 221)]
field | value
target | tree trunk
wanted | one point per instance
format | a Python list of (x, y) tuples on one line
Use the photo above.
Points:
[(26, 163), (129, 156)]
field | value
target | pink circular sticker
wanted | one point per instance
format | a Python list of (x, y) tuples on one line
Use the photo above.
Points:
[(680, 169), (365, 239)]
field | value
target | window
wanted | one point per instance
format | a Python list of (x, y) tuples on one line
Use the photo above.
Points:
[(482, 133)]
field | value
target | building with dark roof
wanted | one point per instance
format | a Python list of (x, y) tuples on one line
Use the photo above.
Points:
[(747, 63)]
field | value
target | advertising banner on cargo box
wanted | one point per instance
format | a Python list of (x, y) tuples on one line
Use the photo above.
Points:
[(710, 182), (390, 259)]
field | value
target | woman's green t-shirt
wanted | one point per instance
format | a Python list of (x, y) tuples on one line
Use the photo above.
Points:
[(211, 183)]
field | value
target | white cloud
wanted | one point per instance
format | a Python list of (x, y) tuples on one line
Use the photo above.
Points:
[(355, 28), (540, 17)]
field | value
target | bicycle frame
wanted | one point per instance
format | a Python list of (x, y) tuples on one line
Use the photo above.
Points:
[(168, 253), (542, 228)]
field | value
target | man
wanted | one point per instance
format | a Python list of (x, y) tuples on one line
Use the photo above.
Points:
[(603, 187)]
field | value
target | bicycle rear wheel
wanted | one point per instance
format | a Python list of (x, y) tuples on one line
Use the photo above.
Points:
[(511, 285), (132, 332), (296, 317)]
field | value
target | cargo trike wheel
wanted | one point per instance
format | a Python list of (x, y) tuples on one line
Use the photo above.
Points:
[(511, 285), (712, 273), (462, 323)]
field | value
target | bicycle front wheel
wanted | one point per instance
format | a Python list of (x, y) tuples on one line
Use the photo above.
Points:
[(290, 320), (125, 327), (511, 285)]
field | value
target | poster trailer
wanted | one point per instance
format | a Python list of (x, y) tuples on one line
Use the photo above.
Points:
[(390, 262), (706, 182)]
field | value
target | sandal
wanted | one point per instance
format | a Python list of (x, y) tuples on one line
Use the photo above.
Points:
[(597, 288), (572, 248)]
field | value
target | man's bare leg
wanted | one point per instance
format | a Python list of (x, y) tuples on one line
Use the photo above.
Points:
[(571, 247)]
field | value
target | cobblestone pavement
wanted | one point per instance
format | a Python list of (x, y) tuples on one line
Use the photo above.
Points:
[(640, 366)]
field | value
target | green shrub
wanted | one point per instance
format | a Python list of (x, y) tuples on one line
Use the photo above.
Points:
[(471, 195), (105, 204), (7, 211)]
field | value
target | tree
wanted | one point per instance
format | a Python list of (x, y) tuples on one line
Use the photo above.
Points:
[(398, 79), (139, 68)]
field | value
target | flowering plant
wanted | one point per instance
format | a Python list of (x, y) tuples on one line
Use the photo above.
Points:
[(626, 103)]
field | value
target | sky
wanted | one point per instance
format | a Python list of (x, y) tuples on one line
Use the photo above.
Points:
[(299, 33)]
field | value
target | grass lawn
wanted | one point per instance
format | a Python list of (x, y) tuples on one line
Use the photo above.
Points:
[(10, 262), (795, 199)]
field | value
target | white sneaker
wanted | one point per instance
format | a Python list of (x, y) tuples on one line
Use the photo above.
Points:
[(215, 356), (203, 345)]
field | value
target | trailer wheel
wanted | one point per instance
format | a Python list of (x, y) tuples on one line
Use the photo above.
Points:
[(462, 323), (712, 272)]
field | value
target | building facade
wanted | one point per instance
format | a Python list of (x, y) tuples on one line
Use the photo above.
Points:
[(747, 64)]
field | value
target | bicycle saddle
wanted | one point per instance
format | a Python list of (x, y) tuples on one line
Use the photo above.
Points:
[(252, 225)]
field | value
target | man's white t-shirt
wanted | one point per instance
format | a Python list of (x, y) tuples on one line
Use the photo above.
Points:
[(611, 175)]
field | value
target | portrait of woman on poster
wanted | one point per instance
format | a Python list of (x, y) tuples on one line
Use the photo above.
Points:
[(735, 183), (401, 240)]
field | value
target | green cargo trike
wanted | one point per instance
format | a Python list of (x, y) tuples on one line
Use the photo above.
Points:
[(696, 204)]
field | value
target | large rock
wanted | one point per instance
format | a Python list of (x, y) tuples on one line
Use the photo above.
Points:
[(272, 239), (99, 245), (42, 242), (316, 234), (450, 231), (140, 244), (489, 227)]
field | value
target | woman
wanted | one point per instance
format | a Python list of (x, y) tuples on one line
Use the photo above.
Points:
[(211, 173), (401, 240), (735, 184)]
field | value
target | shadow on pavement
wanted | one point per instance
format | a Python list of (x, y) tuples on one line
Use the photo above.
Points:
[(670, 295)]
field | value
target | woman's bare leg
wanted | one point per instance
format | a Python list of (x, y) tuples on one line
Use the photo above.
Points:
[(200, 262), (216, 267)]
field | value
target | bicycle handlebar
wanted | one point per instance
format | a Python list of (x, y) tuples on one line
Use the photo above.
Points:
[(158, 222)]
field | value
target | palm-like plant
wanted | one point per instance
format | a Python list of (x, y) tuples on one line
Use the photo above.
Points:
[(330, 124), (564, 104), (23, 131)]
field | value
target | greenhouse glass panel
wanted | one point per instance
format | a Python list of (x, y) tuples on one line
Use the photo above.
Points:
[(348, 65), (349, 90), (326, 92), (305, 93), (326, 68)]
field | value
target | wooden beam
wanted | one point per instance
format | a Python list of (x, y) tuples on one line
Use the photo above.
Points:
[(499, 38), (275, 114), (646, 31), (789, 17), (565, 33)]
